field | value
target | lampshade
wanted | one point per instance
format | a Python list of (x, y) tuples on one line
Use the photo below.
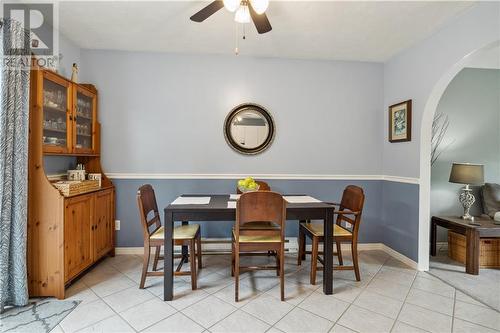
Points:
[(466, 173)]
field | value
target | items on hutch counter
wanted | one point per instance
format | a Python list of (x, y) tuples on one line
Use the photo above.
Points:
[(71, 223)]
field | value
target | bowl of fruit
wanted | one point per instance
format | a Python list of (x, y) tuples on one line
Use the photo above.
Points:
[(248, 185)]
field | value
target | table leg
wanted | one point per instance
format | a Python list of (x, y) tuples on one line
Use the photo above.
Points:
[(433, 237), (168, 273), (472, 254), (185, 252), (328, 253)]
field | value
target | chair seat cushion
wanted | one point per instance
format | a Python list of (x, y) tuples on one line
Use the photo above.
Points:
[(259, 238), (260, 225), (317, 229), (181, 232)]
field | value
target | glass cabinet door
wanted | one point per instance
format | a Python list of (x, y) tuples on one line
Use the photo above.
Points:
[(85, 121), (56, 118)]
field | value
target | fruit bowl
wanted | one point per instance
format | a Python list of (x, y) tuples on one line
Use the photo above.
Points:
[(248, 185), (243, 189)]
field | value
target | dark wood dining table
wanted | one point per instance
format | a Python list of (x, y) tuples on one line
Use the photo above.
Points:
[(217, 210)]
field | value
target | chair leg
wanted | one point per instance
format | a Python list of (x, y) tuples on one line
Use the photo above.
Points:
[(236, 273), (354, 249), (302, 245), (145, 265), (282, 273), (278, 260), (232, 259), (192, 262), (339, 252), (314, 259), (157, 256), (198, 241)]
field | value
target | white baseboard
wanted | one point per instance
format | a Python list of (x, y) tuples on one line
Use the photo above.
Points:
[(291, 246)]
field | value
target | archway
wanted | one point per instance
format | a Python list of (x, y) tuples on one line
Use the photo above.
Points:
[(425, 152)]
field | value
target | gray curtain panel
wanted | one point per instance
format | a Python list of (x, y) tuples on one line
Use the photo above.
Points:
[(14, 112)]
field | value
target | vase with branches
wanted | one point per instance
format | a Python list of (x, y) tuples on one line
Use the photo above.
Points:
[(439, 127)]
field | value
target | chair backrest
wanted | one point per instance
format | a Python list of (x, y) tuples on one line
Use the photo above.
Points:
[(353, 199), (146, 201), (261, 206), (263, 186)]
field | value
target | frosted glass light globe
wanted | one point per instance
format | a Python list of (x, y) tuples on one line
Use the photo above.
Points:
[(231, 5), (260, 6), (242, 15)]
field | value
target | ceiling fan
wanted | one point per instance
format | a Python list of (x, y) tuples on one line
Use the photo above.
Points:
[(244, 11)]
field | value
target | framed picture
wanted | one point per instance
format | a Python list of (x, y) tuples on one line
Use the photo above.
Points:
[(400, 122)]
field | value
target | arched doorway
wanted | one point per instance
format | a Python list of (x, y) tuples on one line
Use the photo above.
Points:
[(425, 151)]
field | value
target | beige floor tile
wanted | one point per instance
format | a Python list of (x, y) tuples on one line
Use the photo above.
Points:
[(148, 313), (177, 323), (208, 311), (240, 321), (394, 264), (434, 286), (326, 306), (341, 329), (460, 296), (425, 319), (112, 285), (380, 304), (184, 297), (214, 282), (477, 315), (274, 330), (431, 301), (112, 324), (344, 290), (294, 294), (400, 327), (388, 288), (263, 281), (80, 292), (246, 294), (396, 276), (86, 315), (461, 326), (299, 320), (362, 320), (127, 298), (267, 308)]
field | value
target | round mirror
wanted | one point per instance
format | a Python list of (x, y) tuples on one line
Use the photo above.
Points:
[(249, 129)]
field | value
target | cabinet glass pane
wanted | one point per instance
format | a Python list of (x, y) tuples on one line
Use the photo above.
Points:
[(84, 121), (54, 114)]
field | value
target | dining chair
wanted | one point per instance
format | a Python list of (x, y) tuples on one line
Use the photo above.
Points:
[(263, 186), (185, 235), (253, 208), (346, 229)]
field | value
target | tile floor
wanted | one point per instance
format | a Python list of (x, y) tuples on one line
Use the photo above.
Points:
[(391, 297)]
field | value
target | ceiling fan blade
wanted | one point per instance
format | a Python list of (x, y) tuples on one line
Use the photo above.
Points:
[(206, 12), (261, 22)]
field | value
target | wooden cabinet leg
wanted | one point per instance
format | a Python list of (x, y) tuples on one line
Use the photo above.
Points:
[(472, 254), (433, 237)]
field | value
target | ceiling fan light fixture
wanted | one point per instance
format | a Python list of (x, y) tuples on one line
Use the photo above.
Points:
[(260, 6), (231, 5), (242, 14)]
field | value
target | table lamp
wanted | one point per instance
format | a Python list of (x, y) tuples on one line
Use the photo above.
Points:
[(467, 174)]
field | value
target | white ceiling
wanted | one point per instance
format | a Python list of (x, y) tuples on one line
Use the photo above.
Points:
[(340, 30)]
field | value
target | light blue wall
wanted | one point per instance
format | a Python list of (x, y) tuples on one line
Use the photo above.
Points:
[(399, 217), (164, 113)]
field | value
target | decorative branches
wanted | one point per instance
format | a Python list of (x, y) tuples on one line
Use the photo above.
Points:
[(439, 127)]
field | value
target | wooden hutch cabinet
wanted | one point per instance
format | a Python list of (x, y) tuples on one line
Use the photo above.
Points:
[(66, 235)]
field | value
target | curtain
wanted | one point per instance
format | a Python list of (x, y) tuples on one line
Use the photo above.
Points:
[(14, 112)]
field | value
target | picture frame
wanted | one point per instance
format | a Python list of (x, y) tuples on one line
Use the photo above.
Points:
[(400, 122)]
